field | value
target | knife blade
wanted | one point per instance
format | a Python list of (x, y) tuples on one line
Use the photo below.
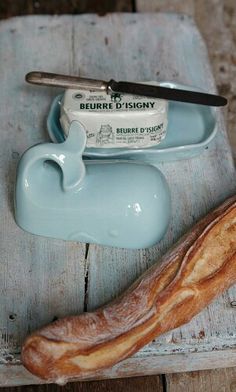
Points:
[(146, 90), (170, 94)]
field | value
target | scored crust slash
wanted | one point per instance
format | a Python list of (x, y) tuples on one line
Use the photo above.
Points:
[(199, 267)]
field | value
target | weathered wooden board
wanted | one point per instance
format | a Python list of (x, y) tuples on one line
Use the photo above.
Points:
[(133, 384), (176, 6), (49, 275), (11, 8), (137, 365), (39, 278), (217, 380)]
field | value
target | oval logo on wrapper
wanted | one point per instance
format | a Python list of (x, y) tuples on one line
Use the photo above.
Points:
[(78, 96)]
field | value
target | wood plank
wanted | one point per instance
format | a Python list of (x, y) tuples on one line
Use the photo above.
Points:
[(40, 278), (148, 363), (217, 380), (144, 384), (10, 8), (175, 51), (178, 6)]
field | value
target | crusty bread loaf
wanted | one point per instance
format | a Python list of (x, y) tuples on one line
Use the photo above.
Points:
[(200, 267)]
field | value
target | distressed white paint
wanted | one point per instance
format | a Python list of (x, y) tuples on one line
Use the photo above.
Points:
[(143, 364), (39, 278), (42, 278)]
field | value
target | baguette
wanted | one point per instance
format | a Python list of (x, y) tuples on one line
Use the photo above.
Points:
[(199, 267)]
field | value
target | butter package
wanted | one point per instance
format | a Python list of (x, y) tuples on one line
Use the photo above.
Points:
[(115, 120)]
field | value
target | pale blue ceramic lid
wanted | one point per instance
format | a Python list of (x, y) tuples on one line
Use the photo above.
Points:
[(112, 202)]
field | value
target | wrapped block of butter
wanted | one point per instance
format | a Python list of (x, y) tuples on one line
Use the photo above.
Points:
[(115, 120)]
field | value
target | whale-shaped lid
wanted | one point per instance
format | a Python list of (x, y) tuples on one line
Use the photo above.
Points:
[(112, 202)]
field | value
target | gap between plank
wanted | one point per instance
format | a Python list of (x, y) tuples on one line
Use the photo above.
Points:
[(164, 382), (86, 277), (73, 46), (133, 5)]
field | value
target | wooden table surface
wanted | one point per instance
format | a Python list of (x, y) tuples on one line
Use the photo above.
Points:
[(44, 278)]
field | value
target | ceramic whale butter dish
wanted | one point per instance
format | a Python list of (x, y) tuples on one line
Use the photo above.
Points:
[(114, 203)]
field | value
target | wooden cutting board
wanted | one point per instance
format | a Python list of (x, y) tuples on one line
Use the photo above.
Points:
[(42, 278)]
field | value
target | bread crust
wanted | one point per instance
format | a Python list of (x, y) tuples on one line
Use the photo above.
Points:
[(196, 270)]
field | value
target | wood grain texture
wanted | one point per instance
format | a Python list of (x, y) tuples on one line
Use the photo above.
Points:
[(217, 380), (177, 6), (137, 365), (40, 278), (10, 8), (143, 384), (101, 47)]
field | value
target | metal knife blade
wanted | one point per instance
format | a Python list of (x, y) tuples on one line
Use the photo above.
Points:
[(170, 94), (146, 90)]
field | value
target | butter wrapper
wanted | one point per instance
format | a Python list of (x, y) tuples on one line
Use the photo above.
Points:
[(115, 120)]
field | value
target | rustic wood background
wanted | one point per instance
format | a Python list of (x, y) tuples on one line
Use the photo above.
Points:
[(216, 20)]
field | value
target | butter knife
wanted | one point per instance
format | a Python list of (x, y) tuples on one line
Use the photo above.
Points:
[(146, 90)]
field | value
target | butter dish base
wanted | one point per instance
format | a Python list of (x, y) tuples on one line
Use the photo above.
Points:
[(191, 128)]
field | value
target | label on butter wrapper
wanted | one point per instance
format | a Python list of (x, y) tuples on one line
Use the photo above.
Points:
[(115, 120)]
